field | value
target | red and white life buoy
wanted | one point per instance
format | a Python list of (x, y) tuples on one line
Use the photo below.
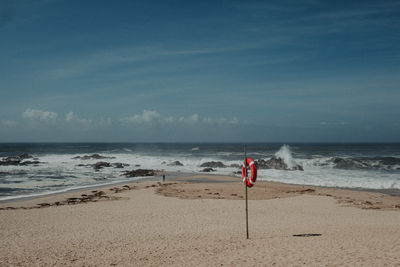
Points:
[(253, 177)]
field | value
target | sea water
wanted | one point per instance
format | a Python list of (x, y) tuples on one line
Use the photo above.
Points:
[(365, 166)]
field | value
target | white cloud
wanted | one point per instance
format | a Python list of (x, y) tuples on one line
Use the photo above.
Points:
[(70, 117), (146, 117), (169, 120), (152, 116), (221, 120), (40, 115), (190, 119)]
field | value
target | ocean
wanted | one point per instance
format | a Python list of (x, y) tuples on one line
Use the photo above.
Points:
[(60, 167)]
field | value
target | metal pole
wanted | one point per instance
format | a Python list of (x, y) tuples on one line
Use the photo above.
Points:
[(245, 186)]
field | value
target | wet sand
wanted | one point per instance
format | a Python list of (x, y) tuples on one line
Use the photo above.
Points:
[(200, 221)]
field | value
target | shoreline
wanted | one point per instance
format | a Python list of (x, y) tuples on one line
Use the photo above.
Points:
[(80, 189), (354, 197), (179, 176)]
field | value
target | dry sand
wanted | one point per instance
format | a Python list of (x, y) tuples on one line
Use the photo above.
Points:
[(200, 221)]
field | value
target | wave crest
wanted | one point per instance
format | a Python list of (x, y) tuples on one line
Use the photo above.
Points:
[(286, 154)]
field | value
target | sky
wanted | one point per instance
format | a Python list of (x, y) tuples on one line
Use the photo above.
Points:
[(199, 71)]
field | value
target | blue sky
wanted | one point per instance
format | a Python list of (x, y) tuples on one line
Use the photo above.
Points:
[(199, 71)]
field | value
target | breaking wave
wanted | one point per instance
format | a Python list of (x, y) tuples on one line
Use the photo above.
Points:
[(285, 154), (375, 167)]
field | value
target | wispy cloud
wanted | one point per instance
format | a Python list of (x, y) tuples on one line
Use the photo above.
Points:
[(298, 21), (154, 117), (70, 117), (39, 115), (141, 60), (148, 116)]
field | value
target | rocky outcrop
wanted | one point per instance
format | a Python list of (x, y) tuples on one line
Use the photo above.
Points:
[(175, 163), (102, 164), (119, 165), (297, 168), (21, 157), (213, 164), (19, 161), (93, 156), (367, 163), (139, 173), (276, 163), (207, 170)]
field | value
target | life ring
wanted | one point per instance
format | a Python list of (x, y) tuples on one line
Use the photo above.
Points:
[(253, 177)]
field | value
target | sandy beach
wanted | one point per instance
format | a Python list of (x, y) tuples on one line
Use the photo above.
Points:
[(200, 221)]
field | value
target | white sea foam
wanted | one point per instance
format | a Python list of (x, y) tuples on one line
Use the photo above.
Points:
[(333, 178), (60, 172), (285, 154), (320, 171)]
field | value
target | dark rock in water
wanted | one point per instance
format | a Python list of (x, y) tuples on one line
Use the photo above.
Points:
[(208, 170), (213, 164), (9, 162), (25, 156), (119, 165), (297, 168), (273, 163), (139, 173), (18, 161), (163, 162), (101, 164), (175, 163), (31, 162), (367, 163), (16, 158), (235, 166), (93, 156), (276, 163)]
